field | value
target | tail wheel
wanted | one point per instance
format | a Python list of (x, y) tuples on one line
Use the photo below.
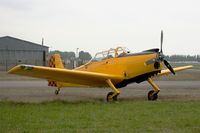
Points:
[(109, 99), (152, 95), (57, 91)]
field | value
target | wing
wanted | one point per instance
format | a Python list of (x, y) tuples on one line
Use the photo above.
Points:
[(65, 75), (165, 72)]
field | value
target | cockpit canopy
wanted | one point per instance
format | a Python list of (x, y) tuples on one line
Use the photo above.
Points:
[(111, 53)]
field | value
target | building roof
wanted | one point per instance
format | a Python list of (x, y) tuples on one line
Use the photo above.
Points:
[(13, 38)]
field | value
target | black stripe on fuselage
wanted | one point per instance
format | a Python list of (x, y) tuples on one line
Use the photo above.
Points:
[(137, 79)]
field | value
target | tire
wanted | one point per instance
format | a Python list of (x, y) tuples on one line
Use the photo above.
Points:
[(113, 99), (151, 96), (56, 92)]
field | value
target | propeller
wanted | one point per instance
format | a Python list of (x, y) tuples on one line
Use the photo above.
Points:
[(169, 66), (161, 55), (161, 41)]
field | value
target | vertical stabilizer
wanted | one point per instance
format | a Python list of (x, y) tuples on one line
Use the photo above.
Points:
[(56, 62)]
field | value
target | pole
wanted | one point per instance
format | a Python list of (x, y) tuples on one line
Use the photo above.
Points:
[(76, 58)]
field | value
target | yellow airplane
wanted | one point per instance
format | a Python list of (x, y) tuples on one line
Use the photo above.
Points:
[(114, 68)]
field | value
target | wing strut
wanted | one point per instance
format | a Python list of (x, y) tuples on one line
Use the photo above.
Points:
[(112, 96)]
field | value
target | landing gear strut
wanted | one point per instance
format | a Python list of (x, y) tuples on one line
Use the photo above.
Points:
[(153, 94), (57, 91), (112, 96)]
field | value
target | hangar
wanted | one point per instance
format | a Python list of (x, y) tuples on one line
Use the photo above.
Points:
[(15, 51)]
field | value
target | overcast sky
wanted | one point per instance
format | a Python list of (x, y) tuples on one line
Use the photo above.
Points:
[(95, 25)]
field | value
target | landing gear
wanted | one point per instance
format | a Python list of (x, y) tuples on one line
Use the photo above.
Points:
[(57, 91), (152, 95), (110, 98)]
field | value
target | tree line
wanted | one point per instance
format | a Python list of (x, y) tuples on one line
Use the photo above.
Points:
[(86, 56), (183, 58), (71, 55), (70, 59)]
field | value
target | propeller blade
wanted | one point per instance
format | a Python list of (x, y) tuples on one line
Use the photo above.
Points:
[(161, 41), (169, 66)]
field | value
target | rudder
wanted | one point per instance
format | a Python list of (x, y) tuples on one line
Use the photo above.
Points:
[(55, 61)]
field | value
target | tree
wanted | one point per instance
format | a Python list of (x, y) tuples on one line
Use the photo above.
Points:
[(85, 56), (177, 58), (198, 58), (64, 55)]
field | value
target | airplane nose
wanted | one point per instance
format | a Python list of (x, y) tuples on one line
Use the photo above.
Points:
[(157, 65)]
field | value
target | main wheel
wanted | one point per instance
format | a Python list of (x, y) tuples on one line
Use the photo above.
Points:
[(152, 95), (109, 99)]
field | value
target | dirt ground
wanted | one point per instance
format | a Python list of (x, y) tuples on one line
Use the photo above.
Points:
[(38, 91)]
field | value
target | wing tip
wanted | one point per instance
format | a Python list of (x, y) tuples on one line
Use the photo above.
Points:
[(189, 66), (14, 69)]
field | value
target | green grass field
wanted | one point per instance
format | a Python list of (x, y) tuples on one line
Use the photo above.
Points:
[(126, 116)]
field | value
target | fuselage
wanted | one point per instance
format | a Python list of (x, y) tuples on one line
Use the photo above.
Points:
[(134, 67)]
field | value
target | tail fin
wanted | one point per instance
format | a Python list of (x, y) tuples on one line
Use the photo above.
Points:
[(55, 62)]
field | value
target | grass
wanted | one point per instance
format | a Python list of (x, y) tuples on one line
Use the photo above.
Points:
[(126, 116)]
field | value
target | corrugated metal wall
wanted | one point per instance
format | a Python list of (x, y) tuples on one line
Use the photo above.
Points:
[(15, 51)]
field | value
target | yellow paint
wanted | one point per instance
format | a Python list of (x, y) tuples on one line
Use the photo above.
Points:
[(131, 65), (166, 72), (116, 91), (156, 88)]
